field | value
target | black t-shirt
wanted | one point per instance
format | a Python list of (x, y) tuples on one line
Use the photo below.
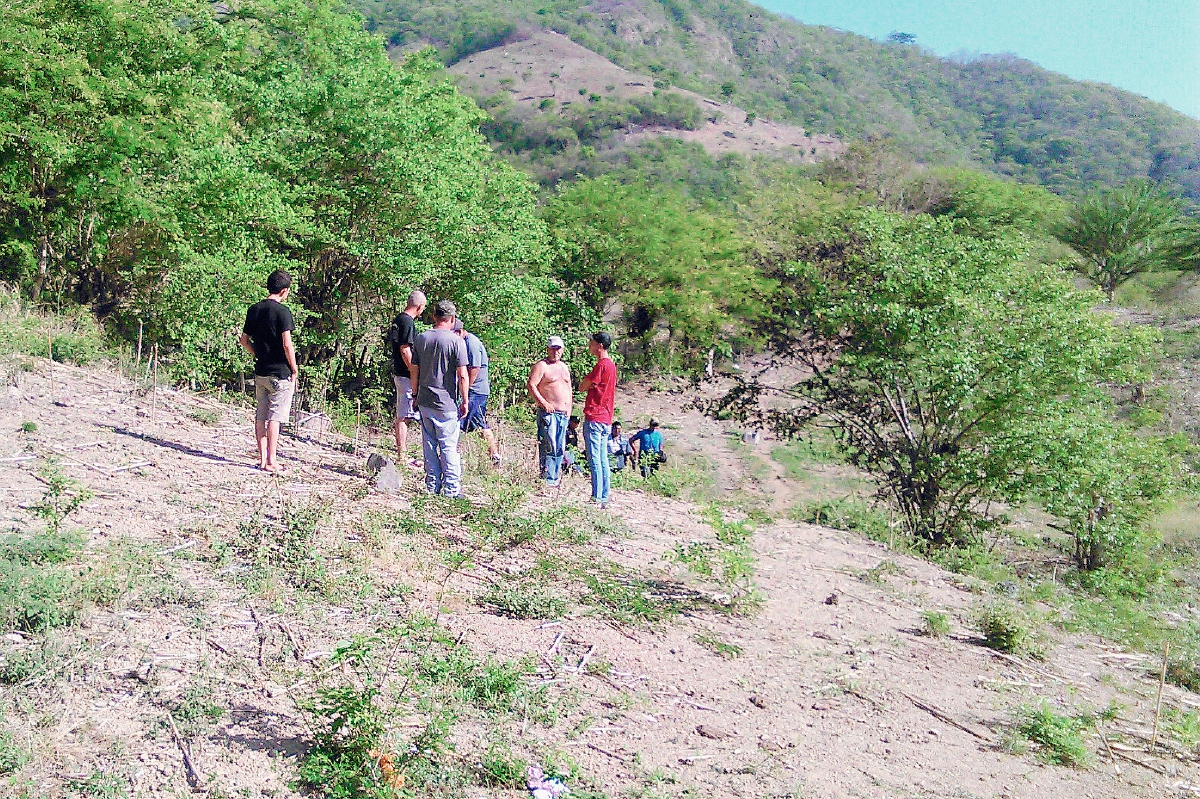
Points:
[(402, 332), (266, 322)]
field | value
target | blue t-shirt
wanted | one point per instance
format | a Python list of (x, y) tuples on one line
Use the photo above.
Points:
[(477, 357), (648, 440)]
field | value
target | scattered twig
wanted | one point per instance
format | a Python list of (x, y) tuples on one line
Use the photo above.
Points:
[(193, 776), (1162, 679), (1111, 757), (177, 548), (583, 660), (618, 758), (127, 467), (941, 715), (297, 650), (1137, 762), (1024, 665)]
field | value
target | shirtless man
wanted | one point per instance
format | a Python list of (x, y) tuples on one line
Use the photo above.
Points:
[(550, 386)]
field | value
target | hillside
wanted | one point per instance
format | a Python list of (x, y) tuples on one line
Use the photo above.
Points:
[(207, 602), (1007, 114), (548, 71)]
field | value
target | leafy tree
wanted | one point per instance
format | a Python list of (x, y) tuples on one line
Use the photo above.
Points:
[(158, 159), (947, 365), (1124, 232), (656, 257)]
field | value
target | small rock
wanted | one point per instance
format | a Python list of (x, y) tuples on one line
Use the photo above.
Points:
[(832, 599), (772, 743), (715, 733), (824, 704), (759, 702), (385, 476)]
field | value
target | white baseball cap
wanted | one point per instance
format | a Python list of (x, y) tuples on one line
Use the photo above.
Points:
[(555, 341)]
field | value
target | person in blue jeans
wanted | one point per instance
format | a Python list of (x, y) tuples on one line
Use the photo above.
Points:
[(440, 383), (550, 387), (601, 388)]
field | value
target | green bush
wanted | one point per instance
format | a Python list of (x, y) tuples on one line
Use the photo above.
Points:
[(524, 601), (937, 624), (1059, 738), (1006, 628)]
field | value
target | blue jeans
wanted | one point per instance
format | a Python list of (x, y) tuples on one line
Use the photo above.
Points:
[(596, 435), (552, 444), (439, 444)]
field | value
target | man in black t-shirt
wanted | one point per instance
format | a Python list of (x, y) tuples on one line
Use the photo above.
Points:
[(267, 335), (402, 335)]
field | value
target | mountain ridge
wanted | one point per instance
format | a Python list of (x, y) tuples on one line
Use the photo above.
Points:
[(1003, 113)]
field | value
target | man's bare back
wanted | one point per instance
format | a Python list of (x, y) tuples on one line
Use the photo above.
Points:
[(550, 386)]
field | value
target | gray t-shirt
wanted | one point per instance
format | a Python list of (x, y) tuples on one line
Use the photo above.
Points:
[(438, 354), (477, 357)]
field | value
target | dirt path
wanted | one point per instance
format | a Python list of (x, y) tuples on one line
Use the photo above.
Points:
[(828, 691)]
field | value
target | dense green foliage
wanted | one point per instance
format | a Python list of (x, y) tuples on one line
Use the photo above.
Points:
[(668, 266), (158, 160), (1007, 114), (1120, 233), (957, 372)]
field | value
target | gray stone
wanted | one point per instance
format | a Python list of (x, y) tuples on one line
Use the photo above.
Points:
[(384, 474)]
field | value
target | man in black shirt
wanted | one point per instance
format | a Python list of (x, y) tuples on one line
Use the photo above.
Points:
[(267, 335), (402, 335)]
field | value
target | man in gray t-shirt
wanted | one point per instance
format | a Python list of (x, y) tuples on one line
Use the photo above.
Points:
[(477, 371), (441, 386)]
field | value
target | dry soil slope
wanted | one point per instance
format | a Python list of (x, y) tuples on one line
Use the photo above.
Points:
[(548, 65), (841, 699)]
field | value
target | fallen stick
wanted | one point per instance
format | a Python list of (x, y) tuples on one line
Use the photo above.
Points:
[(618, 758), (1141, 763), (19, 458), (1024, 665), (1162, 679), (179, 548), (941, 715), (193, 776), (583, 660), (1111, 757), (137, 465)]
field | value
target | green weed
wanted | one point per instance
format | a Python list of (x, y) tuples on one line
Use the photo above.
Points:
[(195, 711), (99, 785), (847, 513), (63, 496), (500, 768), (12, 756), (711, 641), (206, 416), (524, 600), (29, 427), (1059, 738), (1006, 628), (937, 624)]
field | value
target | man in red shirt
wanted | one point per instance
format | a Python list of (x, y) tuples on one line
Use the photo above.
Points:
[(601, 388)]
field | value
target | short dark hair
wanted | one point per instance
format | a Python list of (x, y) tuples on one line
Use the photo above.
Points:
[(444, 309), (653, 424), (278, 280), (615, 425), (603, 339), (574, 419)]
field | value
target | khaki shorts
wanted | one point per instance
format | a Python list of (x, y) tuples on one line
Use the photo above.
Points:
[(274, 396)]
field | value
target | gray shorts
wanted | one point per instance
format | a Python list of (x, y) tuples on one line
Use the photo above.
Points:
[(405, 407), (274, 397)]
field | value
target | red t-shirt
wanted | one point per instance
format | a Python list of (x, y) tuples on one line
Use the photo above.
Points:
[(598, 407)]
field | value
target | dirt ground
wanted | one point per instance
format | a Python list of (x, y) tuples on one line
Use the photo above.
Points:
[(548, 65), (834, 691)]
